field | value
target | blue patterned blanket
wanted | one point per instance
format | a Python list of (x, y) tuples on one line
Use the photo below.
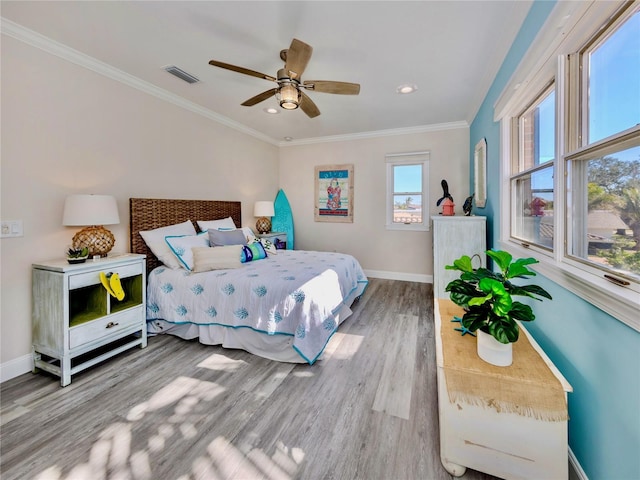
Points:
[(295, 293)]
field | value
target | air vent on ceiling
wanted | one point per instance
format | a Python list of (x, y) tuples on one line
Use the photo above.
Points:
[(178, 72)]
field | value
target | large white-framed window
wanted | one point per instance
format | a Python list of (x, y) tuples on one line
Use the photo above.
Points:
[(407, 191), (585, 229)]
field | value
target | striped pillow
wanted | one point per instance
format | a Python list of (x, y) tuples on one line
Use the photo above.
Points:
[(252, 252)]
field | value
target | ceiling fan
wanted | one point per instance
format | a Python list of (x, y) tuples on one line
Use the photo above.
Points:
[(289, 91)]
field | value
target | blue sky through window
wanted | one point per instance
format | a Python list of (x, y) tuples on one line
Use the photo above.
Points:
[(614, 82), (408, 178)]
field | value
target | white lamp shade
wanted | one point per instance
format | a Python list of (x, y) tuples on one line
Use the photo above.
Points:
[(263, 209), (83, 210)]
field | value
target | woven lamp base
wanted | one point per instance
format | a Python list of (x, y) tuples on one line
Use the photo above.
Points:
[(97, 239), (263, 225)]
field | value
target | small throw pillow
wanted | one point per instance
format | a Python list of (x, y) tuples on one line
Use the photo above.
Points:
[(219, 238), (252, 252), (224, 224), (216, 258), (155, 241), (181, 247), (267, 244)]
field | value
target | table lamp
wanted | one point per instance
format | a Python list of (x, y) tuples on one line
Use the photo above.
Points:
[(91, 212), (263, 210)]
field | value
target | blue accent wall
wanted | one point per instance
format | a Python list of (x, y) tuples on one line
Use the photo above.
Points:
[(597, 354)]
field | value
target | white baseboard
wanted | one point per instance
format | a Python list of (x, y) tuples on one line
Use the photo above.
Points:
[(407, 277), (575, 469), (16, 367)]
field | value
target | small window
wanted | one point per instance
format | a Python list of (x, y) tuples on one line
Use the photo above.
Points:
[(532, 173), (407, 192)]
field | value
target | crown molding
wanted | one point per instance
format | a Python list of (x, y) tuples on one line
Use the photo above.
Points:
[(377, 134), (25, 35)]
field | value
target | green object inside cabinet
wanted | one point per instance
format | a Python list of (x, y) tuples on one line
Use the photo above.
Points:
[(132, 287), (86, 304)]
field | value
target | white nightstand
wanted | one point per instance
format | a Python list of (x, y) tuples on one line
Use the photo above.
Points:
[(73, 315), (279, 239)]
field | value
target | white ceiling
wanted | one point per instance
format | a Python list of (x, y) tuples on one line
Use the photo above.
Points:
[(451, 50)]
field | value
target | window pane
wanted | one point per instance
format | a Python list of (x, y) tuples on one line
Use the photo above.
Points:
[(537, 133), (407, 190), (407, 208), (614, 82), (606, 215), (533, 208), (407, 178)]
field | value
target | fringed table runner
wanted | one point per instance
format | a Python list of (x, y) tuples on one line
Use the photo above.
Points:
[(528, 387)]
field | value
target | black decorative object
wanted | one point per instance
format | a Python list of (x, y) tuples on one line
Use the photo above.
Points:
[(468, 205), (445, 193)]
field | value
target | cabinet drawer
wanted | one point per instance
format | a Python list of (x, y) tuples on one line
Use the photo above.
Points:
[(93, 278), (103, 327)]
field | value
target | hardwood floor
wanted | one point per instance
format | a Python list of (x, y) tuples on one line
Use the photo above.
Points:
[(182, 410)]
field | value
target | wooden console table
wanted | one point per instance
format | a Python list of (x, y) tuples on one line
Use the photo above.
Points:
[(510, 422)]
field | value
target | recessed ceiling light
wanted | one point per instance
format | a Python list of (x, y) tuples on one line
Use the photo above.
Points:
[(271, 110), (288, 139), (406, 88)]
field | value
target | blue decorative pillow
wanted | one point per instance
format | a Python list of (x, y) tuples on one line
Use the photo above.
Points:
[(181, 247), (255, 251)]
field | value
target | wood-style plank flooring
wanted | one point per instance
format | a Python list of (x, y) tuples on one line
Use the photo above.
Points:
[(185, 411)]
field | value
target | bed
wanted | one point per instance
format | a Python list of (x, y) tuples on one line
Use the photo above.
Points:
[(284, 307)]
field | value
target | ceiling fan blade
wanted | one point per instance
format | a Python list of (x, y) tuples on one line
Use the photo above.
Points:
[(260, 97), (298, 57), (246, 71), (307, 105), (326, 86)]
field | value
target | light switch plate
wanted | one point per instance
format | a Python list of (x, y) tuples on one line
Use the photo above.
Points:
[(11, 228)]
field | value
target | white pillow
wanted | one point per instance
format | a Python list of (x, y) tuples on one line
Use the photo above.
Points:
[(181, 247), (155, 241), (216, 258), (248, 234), (224, 224)]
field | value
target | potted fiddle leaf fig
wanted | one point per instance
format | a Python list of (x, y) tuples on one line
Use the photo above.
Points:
[(487, 298)]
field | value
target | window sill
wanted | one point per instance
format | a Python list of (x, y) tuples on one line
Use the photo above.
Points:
[(619, 302), (409, 227)]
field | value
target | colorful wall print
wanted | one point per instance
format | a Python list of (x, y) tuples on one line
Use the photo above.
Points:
[(334, 193)]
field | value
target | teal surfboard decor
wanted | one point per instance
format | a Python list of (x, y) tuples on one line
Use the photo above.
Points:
[(283, 219)]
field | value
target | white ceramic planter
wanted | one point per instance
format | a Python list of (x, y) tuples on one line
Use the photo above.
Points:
[(492, 351)]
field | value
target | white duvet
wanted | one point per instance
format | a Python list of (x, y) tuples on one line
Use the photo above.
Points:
[(294, 293)]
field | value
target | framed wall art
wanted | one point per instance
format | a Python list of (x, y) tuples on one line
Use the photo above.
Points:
[(480, 173), (334, 193)]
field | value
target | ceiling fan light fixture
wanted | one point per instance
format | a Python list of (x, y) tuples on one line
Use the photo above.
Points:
[(289, 97)]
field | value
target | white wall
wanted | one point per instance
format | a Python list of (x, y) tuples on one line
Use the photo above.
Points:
[(66, 129), (380, 251)]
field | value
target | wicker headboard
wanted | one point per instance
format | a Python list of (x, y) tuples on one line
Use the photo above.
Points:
[(150, 213)]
